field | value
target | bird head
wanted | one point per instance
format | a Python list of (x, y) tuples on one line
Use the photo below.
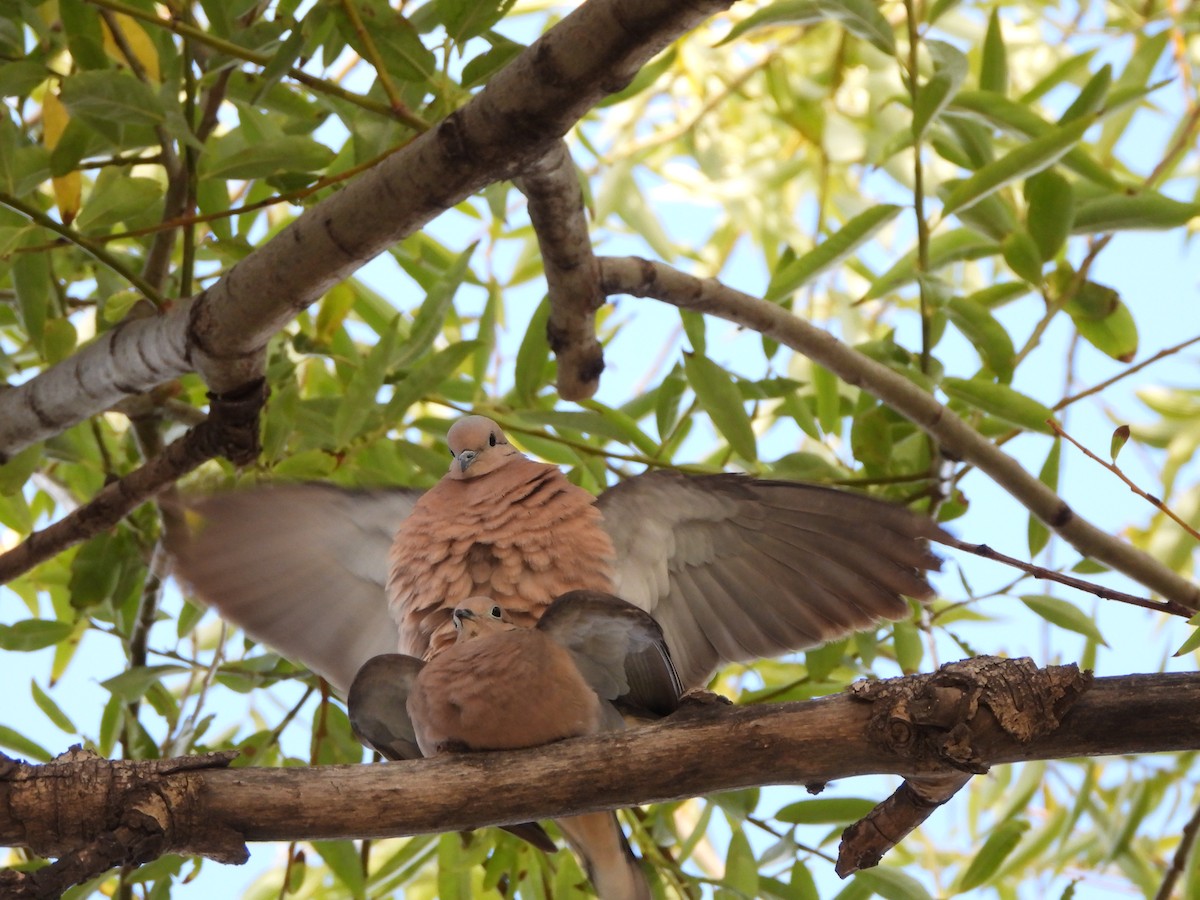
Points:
[(478, 616), (478, 447)]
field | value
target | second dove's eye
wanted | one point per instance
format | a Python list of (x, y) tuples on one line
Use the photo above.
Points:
[(497, 612), (492, 439)]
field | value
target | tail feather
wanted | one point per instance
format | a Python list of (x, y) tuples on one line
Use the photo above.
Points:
[(606, 855)]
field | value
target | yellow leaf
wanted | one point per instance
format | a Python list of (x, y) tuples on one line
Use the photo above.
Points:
[(54, 119), (68, 189), (136, 40)]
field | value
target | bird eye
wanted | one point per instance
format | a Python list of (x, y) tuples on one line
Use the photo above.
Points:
[(497, 612), (452, 454), (492, 439)]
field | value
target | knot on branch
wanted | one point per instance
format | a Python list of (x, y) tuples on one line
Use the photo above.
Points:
[(939, 719), (231, 429)]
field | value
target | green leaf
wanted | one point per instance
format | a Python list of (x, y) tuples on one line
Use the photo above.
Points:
[(829, 401), (345, 861), (111, 96), (533, 356), (1050, 200), (1022, 255), (1091, 98), (944, 249), (23, 745), (33, 285), (741, 868), (16, 471), (52, 710), (988, 336), (1025, 160), (1120, 437), (720, 398), (1065, 615), (259, 159), (861, 18), (830, 252), (950, 69), (832, 811), (1140, 212), (909, 647), (993, 68), (1021, 120), (131, 684), (893, 884), (1193, 640), (1001, 401), (359, 400), (1039, 534), (1104, 321), (119, 197), (33, 634), (427, 377), (995, 850), (439, 300)]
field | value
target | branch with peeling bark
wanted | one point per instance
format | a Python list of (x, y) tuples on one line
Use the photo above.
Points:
[(960, 720)]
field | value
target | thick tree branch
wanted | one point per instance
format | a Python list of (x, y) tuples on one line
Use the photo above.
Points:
[(556, 209), (643, 278), (947, 722), (524, 110)]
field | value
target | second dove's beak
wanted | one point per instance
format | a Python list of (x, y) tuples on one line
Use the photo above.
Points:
[(465, 459)]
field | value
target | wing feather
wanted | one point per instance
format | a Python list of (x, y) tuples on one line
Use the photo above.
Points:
[(735, 568), (300, 568)]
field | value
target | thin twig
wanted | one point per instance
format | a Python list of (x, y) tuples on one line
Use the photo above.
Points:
[(1187, 841), (983, 550), (373, 56), (95, 251), (1116, 470)]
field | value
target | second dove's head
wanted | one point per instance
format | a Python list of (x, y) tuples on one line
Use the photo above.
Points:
[(478, 616), (478, 447)]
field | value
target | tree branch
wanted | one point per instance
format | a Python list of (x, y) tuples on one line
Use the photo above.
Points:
[(524, 110), (642, 278), (559, 219), (231, 430), (946, 722)]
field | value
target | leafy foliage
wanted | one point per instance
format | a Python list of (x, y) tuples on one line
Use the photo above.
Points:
[(938, 183)]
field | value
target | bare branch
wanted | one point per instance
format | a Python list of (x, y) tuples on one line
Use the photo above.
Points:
[(572, 273), (642, 278), (524, 110)]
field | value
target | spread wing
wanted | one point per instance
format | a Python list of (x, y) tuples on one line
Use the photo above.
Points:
[(301, 568), (617, 648), (735, 568)]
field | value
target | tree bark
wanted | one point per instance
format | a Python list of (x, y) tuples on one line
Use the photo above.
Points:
[(962, 719)]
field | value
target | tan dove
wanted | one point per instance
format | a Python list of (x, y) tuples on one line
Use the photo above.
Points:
[(732, 568), (499, 686)]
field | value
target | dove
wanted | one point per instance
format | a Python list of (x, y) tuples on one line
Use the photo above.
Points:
[(501, 686), (732, 568)]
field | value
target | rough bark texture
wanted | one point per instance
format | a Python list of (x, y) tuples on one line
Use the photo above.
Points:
[(927, 726)]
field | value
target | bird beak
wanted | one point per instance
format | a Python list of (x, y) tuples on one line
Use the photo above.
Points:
[(461, 615), (465, 459)]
